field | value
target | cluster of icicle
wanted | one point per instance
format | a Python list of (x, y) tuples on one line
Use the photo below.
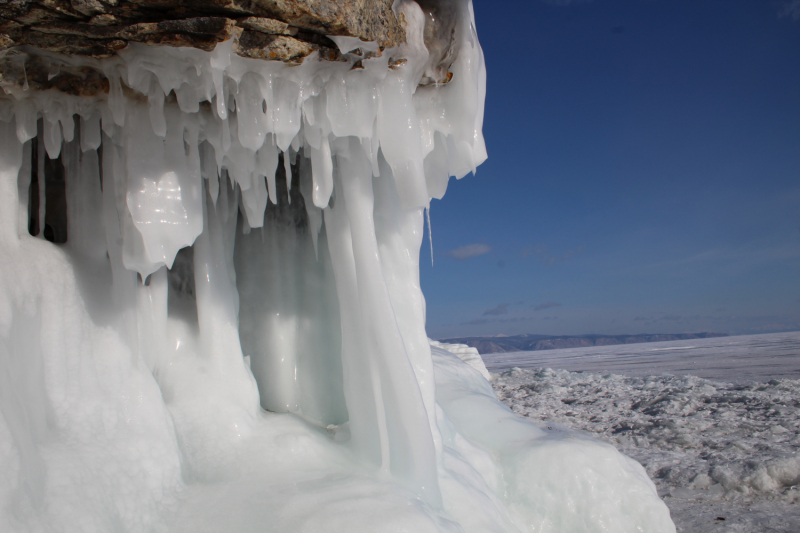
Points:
[(234, 116), (244, 234)]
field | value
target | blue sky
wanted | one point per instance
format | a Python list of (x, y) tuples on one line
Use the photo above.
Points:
[(643, 173)]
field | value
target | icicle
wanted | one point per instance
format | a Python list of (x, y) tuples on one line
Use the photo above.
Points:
[(26, 116), (209, 170), (225, 211), (41, 154), (156, 100), (250, 113), (436, 167), (162, 190), (351, 103), (401, 146), (107, 122), (430, 231), (313, 212), (23, 188), (152, 318), (413, 455), (52, 138), (219, 95), (116, 100), (67, 121), (297, 143), (287, 168), (188, 98), (254, 200), (226, 135), (322, 170), (11, 151), (90, 133), (286, 112)]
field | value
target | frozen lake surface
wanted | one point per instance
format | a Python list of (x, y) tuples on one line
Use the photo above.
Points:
[(739, 359), (722, 448)]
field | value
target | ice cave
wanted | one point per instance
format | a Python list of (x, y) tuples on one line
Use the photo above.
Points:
[(210, 310)]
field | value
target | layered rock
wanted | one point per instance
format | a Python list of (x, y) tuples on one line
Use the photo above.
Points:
[(285, 30), (277, 30)]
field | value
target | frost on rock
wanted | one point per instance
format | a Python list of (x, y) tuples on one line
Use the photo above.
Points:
[(210, 313)]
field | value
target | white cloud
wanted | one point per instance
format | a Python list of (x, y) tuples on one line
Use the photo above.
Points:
[(791, 9), (501, 309), (468, 251)]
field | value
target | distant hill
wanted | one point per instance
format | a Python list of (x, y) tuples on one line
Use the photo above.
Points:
[(529, 342)]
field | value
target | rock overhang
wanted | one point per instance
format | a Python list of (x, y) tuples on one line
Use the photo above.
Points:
[(34, 33)]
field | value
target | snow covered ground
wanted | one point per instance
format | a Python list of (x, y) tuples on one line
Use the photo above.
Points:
[(721, 448), (735, 359)]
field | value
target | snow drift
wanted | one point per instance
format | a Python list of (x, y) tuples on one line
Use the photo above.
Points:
[(226, 330)]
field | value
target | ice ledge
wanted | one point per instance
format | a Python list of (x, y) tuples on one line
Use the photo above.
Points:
[(467, 354)]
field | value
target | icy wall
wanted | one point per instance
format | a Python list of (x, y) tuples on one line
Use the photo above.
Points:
[(210, 313)]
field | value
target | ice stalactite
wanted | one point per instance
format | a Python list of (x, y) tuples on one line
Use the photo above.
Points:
[(289, 307), (226, 330)]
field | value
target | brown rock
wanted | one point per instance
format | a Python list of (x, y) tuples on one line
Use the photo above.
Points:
[(96, 27), (283, 47), (278, 30), (269, 26), (22, 71), (88, 7)]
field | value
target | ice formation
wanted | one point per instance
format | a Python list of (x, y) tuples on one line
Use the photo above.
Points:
[(466, 353), (226, 330)]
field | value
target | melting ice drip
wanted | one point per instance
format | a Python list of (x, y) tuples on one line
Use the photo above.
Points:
[(241, 234)]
